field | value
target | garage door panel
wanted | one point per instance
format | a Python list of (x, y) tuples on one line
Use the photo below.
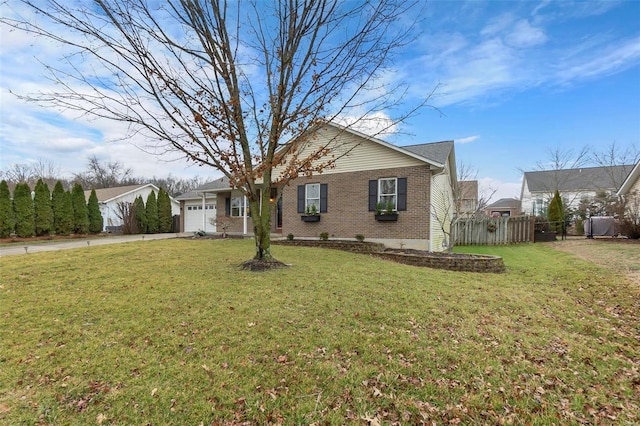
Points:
[(193, 217)]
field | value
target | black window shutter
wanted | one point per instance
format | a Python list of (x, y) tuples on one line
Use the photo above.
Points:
[(323, 197), (301, 195), (402, 194), (373, 195), (227, 206)]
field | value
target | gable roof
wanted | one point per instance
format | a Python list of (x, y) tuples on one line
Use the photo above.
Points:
[(437, 152), (576, 180), (108, 194), (505, 203), (631, 179), (216, 185), (434, 153)]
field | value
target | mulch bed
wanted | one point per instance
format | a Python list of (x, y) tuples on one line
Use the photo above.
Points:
[(50, 238)]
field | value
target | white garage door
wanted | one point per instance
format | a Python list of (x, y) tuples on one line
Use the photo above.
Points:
[(193, 216)]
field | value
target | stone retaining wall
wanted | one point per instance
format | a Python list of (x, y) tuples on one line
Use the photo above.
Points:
[(462, 263), (451, 262), (351, 246)]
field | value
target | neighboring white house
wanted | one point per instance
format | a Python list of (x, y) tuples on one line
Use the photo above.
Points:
[(573, 184), (630, 189), (108, 199)]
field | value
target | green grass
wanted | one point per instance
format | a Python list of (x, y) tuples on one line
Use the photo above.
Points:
[(172, 332)]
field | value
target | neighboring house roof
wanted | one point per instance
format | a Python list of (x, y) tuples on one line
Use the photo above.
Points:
[(576, 180), (631, 179), (108, 194), (505, 203)]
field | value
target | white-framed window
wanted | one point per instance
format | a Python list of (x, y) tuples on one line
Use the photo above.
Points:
[(312, 196), (236, 206), (388, 192)]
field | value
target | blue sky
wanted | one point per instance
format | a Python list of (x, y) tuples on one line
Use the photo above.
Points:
[(516, 80)]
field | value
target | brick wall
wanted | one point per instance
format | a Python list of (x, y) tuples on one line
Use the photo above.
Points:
[(235, 224), (348, 206)]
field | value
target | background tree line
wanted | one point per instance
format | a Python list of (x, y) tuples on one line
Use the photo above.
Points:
[(97, 175)]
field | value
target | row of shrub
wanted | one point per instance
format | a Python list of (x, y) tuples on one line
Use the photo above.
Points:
[(42, 212)]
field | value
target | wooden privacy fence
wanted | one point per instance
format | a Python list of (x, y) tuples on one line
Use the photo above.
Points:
[(494, 230)]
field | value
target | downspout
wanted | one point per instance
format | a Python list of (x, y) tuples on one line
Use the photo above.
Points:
[(204, 213), (244, 214)]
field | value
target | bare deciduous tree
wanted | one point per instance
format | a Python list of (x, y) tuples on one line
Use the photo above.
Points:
[(228, 83), (19, 173), (613, 155), (465, 202), (126, 212), (101, 174), (176, 186)]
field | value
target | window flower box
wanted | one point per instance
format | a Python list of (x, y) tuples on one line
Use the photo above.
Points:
[(310, 217), (387, 217)]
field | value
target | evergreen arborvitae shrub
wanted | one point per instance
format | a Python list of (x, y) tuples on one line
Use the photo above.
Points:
[(80, 211), (152, 213), (62, 210), (141, 214), (43, 211), (7, 218), (95, 217), (556, 214), (164, 211), (23, 210)]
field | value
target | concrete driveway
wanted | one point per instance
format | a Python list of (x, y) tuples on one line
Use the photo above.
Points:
[(18, 248)]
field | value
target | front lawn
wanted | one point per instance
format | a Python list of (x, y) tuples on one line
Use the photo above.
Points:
[(172, 332)]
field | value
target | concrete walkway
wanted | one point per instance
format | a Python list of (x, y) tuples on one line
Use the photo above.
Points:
[(18, 248)]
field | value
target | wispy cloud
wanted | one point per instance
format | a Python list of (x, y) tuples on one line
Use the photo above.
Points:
[(608, 59), (523, 35), (467, 139), (524, 47)]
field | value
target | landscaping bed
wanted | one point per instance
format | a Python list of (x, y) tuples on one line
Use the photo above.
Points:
[(448, 261)]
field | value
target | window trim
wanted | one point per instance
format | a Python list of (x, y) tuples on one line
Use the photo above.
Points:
[(394, 194), (401, 193), (307, 198), (238, 207), (302, 198)]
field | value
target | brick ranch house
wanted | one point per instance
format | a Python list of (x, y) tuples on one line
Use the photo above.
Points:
[(416, 180)]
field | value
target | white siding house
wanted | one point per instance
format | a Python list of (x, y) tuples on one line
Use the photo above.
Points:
[(108, 199), (573, 185)]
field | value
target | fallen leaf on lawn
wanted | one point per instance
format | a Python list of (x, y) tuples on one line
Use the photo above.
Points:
[(372, 421), (100, 418), (154, 391)]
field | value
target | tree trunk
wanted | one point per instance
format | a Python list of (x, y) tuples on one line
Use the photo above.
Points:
[(261, 217)]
